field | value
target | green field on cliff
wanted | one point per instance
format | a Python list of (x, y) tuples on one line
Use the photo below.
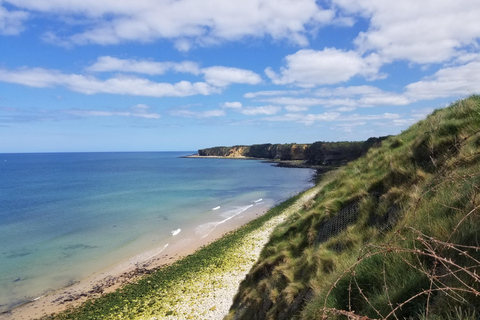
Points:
[(392, 235)]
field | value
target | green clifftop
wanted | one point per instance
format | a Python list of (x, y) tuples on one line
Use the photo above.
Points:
[(392, 235), (318, 153)]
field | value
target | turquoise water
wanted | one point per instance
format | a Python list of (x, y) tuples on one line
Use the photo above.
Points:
[(66, 216)]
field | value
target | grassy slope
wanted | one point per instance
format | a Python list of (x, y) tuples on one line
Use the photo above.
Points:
[(391, 235), (163, 294)]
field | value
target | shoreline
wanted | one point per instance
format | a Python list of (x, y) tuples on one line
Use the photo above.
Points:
[(302, 164), (127, 271)]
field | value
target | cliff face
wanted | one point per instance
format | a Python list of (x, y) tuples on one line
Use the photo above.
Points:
[(318, 153), (229, 152)]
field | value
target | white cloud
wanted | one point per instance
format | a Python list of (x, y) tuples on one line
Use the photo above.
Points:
[(112, 64), (223, 76), (263, 110), (232, 105), (345, 109), (198, 114), (296, 108), (427, 31), (419, 114), (270, 93), (359, 117), (16, 115), (218, 76), (307, 119), (309, 68), (365, 96), (348, 126), (137, 111), (188, 22), (305, 102), (448, 82), (251, 111), (311, 101), (123, 85), (11, 22), (347, 91)]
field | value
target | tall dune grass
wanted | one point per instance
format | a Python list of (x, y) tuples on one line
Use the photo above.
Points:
[(406, 243)]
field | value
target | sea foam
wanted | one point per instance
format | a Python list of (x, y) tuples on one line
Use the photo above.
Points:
[(205, 229)]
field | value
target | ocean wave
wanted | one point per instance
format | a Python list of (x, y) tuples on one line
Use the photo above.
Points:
[(205, 229), (234, 212), (140, 258), (216, 208), (257, 201), (175, 232)]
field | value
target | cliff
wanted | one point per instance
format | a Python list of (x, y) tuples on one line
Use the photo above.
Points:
[(315, 154), (391, 235)]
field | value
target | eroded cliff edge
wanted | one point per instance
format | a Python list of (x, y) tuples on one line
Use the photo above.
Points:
[(315, 154)]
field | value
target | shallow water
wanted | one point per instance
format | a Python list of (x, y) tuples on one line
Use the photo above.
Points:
[(66, 216)]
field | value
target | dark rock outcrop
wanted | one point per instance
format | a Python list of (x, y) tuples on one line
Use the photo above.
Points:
[(328, 154)]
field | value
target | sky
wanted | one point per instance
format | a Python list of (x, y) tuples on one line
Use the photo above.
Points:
[(178, 75)]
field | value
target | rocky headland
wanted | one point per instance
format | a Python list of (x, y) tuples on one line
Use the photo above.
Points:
[(318, 154)]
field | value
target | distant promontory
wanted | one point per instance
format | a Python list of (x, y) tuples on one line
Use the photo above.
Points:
[(325, 154)]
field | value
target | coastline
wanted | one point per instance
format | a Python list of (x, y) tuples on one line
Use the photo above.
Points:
[(127, 271), (276, 162), (209, 302)]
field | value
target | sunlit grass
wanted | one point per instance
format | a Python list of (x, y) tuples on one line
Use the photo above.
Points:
[(412, 251)]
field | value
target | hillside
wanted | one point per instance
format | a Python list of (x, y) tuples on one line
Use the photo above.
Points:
[(392, 235), (327, 154)]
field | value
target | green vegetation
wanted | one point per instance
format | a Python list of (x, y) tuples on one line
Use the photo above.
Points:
[(154, 294), (392, 235)]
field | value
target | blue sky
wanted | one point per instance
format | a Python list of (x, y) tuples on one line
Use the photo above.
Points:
[(153, 75)]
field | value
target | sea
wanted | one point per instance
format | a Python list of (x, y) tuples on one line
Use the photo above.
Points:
[(65, 216)]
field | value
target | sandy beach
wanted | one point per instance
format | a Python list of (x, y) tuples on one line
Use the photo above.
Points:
[(196, 301)]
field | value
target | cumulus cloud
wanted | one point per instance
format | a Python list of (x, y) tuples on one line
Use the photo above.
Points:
[(198, 114), (338, 99), (271, 93), (123, 85), (12, 22), (366, 96), (309, 68), (296, 108), (263, 110), (232, 105), (299, 102), (452, 81), (187, 22), (223, 76), (112, 64), (250, 111), (426, 31), (218, 76)]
